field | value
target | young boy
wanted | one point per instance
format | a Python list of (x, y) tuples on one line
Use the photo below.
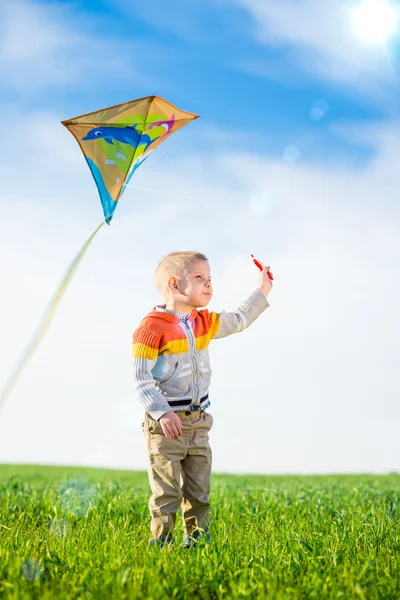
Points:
[(171, 377)]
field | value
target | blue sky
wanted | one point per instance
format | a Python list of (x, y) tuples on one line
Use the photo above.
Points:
[(208, 58), (324, 213)]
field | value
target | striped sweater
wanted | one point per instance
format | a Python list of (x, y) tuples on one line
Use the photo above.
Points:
[(171, 368)]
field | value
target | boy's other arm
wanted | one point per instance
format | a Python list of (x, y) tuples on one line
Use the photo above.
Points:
[(144, 356), (237, 320)]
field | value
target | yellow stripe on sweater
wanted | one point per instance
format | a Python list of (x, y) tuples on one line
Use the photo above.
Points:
[(175, 347), (143, 351), (203, 341), (181, 346)]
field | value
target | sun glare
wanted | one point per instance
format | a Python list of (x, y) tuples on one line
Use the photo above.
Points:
[(375, 21)]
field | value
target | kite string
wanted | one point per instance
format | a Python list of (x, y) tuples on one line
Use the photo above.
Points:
[(146, 189), (167, 157), (46, 319)]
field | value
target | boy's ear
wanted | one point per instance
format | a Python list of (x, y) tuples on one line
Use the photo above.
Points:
[(173, 284)]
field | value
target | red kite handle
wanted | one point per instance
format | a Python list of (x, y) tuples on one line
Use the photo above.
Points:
[(261, 266)]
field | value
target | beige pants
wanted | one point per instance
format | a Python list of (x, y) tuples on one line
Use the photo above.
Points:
[(179, 469)]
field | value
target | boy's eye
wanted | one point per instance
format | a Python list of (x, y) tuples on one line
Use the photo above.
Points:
[(198, 277)]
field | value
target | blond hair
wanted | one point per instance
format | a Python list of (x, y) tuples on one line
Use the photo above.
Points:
[(174, 265)]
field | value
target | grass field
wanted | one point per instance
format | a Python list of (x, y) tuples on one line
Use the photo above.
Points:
[(82, 533)]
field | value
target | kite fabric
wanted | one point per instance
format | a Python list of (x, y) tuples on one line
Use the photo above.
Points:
[(115, 141)]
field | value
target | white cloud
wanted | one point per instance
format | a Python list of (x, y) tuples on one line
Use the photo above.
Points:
[(322, 42), (49, 44), (318, 367)]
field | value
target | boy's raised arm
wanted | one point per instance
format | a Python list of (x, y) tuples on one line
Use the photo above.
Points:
[(226, 323), (239, 319), (144, 355)]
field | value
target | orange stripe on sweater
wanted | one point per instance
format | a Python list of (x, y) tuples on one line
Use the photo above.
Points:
[(144, 336), (202, 341), (171, 336)]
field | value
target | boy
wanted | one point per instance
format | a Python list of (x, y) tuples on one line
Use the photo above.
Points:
[(171, 377)]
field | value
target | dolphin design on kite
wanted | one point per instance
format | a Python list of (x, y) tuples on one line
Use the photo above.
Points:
[(125, 135)]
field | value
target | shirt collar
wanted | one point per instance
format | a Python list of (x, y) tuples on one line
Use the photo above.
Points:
[(181, 316)]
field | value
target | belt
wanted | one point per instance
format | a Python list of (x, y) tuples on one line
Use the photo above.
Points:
[(186, 402)]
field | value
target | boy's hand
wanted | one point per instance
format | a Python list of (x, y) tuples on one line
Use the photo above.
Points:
[(171, 425), (265, 282)]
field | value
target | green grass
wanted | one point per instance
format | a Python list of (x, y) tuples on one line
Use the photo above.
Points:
[(82, 533)]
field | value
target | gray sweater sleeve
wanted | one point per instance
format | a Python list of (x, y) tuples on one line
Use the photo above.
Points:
[(243, 316), (145, 386)]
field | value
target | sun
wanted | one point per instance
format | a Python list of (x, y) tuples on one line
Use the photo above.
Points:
[(376, 21)]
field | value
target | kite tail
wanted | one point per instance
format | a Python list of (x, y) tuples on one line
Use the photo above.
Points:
[(46, 320)]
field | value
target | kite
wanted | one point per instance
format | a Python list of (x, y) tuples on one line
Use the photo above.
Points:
[(115, 141)]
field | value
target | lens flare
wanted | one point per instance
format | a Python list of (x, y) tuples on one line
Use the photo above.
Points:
[(375, 21)]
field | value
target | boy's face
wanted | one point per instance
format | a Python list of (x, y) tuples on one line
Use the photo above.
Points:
[(195, 285)]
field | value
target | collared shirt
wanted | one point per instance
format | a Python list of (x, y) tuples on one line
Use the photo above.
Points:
[(181, 316)]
